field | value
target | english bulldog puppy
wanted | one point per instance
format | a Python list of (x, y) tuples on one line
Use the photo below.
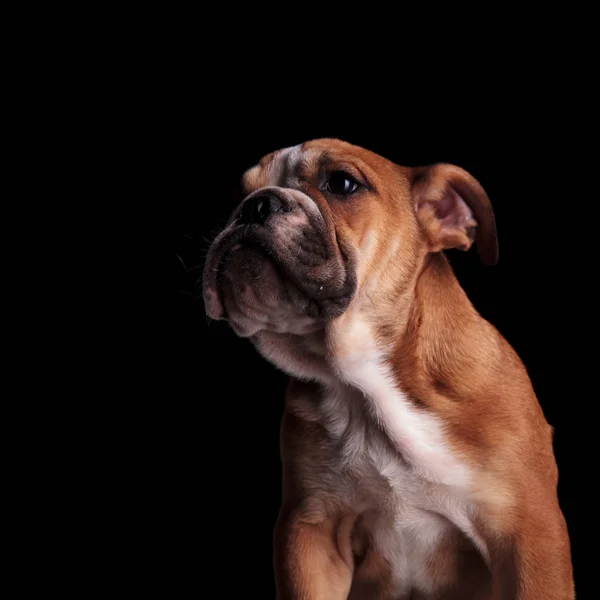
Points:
[(417, 462)]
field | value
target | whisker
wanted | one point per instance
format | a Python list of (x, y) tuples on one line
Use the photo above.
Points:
[(196, 298), (181, 260)]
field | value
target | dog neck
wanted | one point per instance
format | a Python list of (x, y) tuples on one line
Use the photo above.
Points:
[(446, 347), (427, 343)]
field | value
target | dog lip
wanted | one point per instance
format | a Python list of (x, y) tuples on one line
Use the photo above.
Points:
[(213, 302), (228, 241)]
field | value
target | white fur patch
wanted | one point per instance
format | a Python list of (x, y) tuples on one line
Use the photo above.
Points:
[(417, 434), (283, 164), (432, 492)]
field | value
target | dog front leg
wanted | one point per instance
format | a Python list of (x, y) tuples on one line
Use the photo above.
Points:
[(312, 561), (535, 562)]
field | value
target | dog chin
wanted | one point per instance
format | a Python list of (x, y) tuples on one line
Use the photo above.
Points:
[(256, 297)]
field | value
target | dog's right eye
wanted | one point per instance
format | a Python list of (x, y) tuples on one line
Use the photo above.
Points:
[(341, 184)]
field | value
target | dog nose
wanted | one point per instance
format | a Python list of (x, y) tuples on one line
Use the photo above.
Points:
[(258, 208)]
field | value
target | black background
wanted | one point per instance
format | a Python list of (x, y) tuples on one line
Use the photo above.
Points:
[(222, 421)]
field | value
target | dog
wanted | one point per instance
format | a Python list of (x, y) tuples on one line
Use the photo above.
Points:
[(417, 462)]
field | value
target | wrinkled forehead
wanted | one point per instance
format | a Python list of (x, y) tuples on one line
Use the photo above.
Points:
[(288, 166)]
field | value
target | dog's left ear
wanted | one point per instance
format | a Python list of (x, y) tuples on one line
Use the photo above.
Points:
[(454, 210)]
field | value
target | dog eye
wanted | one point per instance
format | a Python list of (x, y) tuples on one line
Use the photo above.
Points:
[(341, 184)]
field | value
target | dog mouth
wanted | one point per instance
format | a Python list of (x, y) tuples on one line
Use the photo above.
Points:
[(236, 257), (254, 270)]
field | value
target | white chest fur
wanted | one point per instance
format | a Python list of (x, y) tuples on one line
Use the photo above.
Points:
[(380, 433), (412, 485), (416, 434)]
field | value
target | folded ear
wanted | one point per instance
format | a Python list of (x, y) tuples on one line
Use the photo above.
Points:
[(454, 210)]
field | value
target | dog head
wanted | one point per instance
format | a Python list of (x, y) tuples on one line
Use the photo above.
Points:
[(326, 224)]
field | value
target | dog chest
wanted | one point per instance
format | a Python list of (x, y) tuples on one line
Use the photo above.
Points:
[(407, 517)]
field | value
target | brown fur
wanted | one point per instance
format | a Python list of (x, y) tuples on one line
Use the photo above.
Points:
[(452, 363)]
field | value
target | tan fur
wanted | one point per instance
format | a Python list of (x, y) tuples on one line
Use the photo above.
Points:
[(450, 362)]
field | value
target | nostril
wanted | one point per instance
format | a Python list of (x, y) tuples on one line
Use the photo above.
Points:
[(247, 212), (257, 209), (261, 208)]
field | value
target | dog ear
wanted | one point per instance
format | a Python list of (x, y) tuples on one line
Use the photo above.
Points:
[(454, 210)]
